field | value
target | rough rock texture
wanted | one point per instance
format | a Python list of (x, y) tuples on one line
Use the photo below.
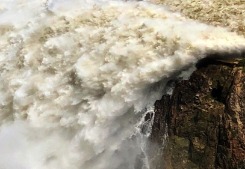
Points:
[(204, 120)]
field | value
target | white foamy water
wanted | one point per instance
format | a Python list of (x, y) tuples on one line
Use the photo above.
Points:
[(76, 77)]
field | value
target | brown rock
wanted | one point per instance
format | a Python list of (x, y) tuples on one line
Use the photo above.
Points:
[(204, 120)]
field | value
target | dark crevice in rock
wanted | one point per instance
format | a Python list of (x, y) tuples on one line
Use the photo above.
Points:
[(217, 93)]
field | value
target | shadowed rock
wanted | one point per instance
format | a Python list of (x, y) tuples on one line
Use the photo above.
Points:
[(204, 120)]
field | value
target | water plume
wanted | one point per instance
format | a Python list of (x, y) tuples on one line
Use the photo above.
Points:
[(77, 77)]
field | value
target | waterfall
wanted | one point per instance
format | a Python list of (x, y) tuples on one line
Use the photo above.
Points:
[(78, 76)]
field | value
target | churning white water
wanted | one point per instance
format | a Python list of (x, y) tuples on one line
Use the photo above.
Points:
[(77, 75)]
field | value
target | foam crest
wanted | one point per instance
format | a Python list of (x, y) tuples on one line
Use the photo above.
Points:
[(76, 77)]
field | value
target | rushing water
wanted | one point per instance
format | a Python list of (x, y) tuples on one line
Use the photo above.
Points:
[(77, 76)]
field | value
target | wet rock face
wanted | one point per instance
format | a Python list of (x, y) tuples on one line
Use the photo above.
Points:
[(204, 119)]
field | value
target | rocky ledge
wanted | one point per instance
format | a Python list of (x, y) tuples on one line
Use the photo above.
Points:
[(202, 124)]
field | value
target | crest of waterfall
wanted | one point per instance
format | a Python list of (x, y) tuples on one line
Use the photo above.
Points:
[(76, 77)]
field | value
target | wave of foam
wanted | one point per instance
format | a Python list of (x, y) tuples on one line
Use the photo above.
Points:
[(75, 77)]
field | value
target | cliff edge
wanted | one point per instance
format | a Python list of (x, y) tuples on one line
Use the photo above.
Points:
[(202, 124)]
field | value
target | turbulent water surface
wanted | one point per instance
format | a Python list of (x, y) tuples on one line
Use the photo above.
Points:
[(77, 76)]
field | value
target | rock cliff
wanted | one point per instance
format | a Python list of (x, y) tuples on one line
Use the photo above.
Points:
[(202, 124)]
